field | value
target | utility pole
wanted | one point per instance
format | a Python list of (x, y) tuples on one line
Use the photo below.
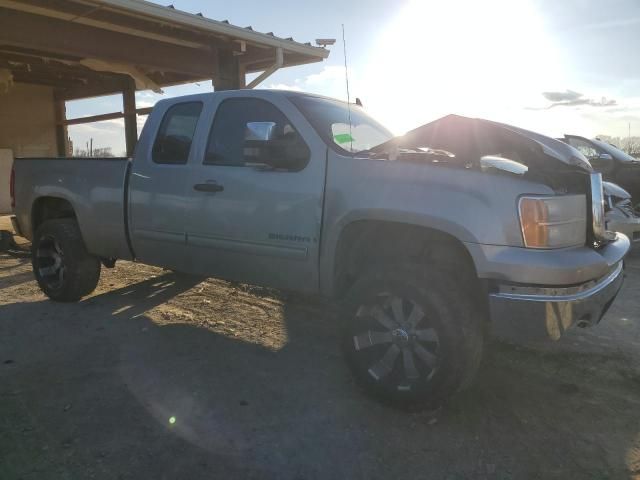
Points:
[(629, 140)]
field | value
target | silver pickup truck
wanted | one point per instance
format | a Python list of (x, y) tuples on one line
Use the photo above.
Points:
[(430, 241)]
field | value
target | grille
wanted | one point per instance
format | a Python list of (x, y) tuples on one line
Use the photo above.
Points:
[(597, 207)]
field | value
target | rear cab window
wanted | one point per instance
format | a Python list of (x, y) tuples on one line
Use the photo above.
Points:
[(175, 135)]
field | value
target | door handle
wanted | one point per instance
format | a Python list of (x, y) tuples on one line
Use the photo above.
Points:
[(208, 187)]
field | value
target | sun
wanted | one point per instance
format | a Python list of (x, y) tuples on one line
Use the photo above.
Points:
[(478, 58)]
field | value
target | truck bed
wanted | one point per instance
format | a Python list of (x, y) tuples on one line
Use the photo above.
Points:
[(94, 186)]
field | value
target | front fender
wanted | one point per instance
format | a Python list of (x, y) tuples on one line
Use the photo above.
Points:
[(472, 206)]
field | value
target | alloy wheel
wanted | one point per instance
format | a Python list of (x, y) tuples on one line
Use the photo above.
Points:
[(394, 340), (50, 262)]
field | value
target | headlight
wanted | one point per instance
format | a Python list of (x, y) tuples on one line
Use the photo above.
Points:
[(553, 222)]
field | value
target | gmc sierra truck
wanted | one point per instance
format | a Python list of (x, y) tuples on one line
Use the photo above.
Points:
[(430, 241)]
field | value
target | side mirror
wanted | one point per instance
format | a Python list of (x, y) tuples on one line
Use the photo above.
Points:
[(259, 131), (492, 162), (605, 157)]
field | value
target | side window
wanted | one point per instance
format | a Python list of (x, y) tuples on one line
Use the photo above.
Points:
[(584, 147), (246, 131), (173, 141)]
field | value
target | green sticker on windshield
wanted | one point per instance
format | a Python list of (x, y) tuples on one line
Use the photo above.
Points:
[(343, 138)]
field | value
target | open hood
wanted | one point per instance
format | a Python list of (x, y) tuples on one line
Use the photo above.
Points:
[(616, 191), (470, 139)]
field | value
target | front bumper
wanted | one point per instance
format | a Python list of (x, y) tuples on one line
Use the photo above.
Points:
[(559, 267), (537, 313)]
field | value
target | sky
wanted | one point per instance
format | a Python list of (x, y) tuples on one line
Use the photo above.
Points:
[(550, 66)]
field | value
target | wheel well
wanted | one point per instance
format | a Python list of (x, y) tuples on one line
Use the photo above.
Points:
[(364, 244), (47, 208)]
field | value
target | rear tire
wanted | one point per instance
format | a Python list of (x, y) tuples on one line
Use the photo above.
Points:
[(65, 271), (412, 337)]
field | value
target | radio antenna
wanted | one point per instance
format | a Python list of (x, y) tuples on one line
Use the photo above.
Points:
[(346, 77)]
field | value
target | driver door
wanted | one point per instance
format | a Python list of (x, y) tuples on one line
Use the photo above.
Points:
[(249, 222)]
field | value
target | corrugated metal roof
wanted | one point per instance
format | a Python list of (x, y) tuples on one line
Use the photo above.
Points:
[(198, 21)]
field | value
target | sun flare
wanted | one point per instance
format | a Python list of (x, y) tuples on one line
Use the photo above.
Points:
[(459, 56)]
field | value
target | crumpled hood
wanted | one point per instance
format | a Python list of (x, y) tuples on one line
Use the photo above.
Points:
[(469, 139), (613, 190)]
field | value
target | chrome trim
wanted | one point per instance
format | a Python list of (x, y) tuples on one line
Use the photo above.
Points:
[(597, 209), (246, 247), (569, 294)]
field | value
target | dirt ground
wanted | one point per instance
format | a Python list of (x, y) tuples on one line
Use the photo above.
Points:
[(158, 376)]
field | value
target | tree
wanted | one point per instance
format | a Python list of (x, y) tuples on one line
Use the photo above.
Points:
[(97, 152), (632, 146), (628, 145), (610, 140)]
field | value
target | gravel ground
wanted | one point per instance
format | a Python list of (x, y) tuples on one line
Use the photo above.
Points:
[(163, 376)]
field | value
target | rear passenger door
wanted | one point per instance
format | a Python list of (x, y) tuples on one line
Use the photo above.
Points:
[(158, 185), (247, 222)]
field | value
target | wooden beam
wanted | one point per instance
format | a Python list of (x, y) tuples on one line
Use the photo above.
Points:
[(257, 63), (48, 80), (144, 111), (113, 87), (29, 64), (93, 118), (130, 118), (62, 37), (104, 116), (61, 128), (228, 71), (61, 77), (104, 87)]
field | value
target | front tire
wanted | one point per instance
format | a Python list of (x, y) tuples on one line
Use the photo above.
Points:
[(412, 338), (65, 271)]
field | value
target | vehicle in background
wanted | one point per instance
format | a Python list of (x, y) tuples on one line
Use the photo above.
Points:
[(428, 241), (615, 165), (620, 213)]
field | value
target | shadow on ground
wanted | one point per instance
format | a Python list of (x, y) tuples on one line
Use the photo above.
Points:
[(100, 389)]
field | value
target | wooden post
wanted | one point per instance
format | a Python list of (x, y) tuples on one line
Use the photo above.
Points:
[(61, 129), (227, 70), (242, 76), (130, 118)]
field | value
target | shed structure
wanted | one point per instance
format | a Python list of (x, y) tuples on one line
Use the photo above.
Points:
[(53, 51)]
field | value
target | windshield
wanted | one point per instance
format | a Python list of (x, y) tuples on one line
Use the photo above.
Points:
[(614, 151), (330, 118)]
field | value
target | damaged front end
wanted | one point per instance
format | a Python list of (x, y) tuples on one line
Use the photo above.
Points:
[(493, 147), (568, 268), (462, 141)]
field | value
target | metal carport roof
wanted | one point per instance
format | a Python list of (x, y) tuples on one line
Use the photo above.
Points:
[(85, 48)]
